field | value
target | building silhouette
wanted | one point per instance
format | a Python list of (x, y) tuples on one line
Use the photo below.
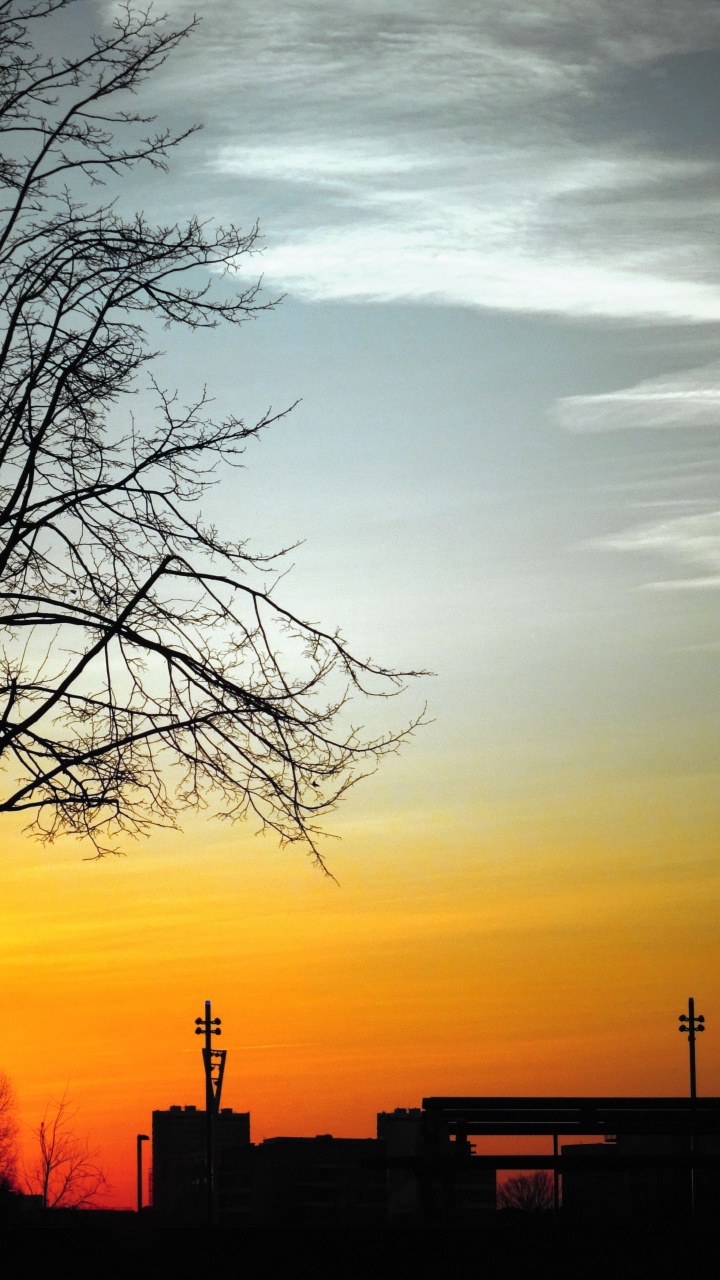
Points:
[(179, 1163), (630, 1158), (632, 1177), (293, 1180), (400, 1132), (426, 1179), (319, 1181)]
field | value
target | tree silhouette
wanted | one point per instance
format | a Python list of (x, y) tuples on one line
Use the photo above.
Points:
[(145, 662), (8, 1133), (64, 1169), (530, 1192)]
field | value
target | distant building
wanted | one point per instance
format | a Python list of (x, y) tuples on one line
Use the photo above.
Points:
[(322, 1180), (422, 1166), (400, 1132), (418, 1176), (319, 1181), (18, 1209), (178, 1164), (593, 1188)]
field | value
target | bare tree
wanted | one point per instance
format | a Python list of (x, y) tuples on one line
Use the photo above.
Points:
[(65, 1170), (8, 1133), (530, 1192), (145, 663)]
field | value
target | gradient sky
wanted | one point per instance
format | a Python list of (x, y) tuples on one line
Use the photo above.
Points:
[(495, 234)]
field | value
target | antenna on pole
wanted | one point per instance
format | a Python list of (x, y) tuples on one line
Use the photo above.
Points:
[(214, 1067)]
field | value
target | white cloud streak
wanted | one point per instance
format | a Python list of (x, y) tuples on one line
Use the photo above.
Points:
[(448, 150), (472, 227), (689, 399), (691, 541)]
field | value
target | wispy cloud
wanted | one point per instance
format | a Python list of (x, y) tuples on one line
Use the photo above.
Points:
[(681, 469), (468, 227), (317, 164), (687, 584), (459, 152), (688, 399), (691, 541)]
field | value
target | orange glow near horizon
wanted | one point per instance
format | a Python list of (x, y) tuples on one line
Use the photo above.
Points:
[(492, 453), (519, 961)]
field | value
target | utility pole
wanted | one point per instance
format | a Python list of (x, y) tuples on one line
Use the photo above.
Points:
[(214, 1067), (691, 1025), (141, 1137)]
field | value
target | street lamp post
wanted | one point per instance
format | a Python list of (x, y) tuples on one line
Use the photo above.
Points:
[(141, 1137), (556, 1180)]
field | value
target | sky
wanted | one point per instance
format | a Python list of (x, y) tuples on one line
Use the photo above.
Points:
[(493, 232)]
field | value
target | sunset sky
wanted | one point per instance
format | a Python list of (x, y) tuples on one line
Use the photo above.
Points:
[(495, 231)]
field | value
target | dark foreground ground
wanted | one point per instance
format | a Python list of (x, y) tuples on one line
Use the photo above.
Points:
[(505, 1251)]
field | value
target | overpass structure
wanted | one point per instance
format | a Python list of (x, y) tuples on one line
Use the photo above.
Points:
[(449, 1123), (639, 1154)]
